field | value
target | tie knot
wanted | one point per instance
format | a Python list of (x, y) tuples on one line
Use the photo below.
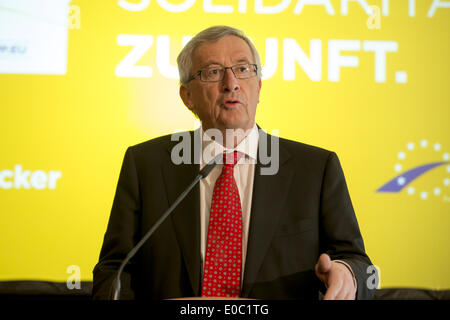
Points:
[(231, 158)]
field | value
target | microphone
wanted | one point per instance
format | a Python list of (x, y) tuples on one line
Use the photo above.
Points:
[(202, 174)]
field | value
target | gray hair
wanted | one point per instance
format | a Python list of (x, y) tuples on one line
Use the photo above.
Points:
[(212, 34)]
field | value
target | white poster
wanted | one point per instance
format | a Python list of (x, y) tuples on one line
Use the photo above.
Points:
[(33, 36)]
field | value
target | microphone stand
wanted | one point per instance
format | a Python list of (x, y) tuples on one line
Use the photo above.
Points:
[(202, 174)]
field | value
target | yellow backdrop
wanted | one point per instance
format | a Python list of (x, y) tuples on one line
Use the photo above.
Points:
[(366, 79)]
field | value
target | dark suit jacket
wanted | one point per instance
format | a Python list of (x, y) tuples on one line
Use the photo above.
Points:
[(297, 214)]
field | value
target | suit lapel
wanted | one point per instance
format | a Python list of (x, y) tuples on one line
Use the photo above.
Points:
[(269, 196), (186, 217)]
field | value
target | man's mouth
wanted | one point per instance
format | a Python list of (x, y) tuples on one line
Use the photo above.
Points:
[(231, 103)]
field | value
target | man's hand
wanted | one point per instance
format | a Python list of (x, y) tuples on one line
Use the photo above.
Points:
[(337, 278)]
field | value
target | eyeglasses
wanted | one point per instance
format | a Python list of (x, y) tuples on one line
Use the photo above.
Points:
[(217, 73)]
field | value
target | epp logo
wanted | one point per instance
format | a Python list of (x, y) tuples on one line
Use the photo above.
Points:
[(404, 180)]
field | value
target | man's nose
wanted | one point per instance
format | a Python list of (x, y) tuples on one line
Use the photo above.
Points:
[(229, 82)]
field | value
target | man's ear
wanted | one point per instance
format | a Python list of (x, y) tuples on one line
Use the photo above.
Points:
[(259, 88), (185, 95)]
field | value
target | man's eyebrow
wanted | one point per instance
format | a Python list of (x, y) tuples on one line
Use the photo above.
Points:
[(211, 63), (243, 60), (215, 63)]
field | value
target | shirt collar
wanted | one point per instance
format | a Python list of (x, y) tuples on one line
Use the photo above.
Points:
[(248, 146)]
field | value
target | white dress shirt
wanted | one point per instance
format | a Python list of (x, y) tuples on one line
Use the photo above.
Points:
[(243, 174)]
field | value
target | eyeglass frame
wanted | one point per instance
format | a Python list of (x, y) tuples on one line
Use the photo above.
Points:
[(199, 72)]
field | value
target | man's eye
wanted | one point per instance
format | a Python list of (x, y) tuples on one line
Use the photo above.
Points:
[(213, 72), (243, 69)]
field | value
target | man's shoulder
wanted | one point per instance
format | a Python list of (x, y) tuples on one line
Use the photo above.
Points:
[(301, 149), (161, 142), (159, 147)]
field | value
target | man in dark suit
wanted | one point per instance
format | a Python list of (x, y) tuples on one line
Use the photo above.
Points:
[(299, 231)]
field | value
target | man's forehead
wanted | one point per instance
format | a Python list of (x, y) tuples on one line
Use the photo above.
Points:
[(228, 47)]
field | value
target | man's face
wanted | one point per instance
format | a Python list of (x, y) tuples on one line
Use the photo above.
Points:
[(229, 103)]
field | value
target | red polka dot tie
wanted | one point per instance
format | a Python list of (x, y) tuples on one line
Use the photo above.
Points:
[(223, 260)]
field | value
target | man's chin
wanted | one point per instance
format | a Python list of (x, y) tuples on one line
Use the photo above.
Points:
[(235, 121)]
